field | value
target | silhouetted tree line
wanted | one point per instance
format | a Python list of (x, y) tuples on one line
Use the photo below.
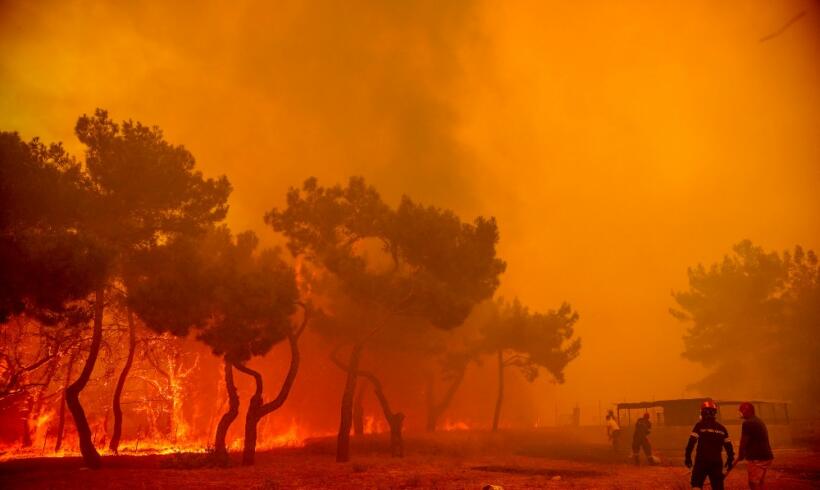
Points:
[(135, 232), (754, 320)]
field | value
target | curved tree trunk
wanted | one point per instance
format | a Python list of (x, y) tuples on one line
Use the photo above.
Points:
[(343, 439), (252, 416), (435, 410), (256, 409), (61, 416), (132, 347), (72, 395), (220, 447), (394, 420), (358, 413), (87, 449), (498, 401)]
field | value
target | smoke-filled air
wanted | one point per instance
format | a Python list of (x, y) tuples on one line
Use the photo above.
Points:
[(410, 244)]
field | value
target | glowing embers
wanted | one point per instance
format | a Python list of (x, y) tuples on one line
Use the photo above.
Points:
[(374, 425), (41, 425), (160, 446), (454, 426), (271, 436), (292, 436)]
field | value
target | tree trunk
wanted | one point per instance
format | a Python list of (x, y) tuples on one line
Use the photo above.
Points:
[(72, 396), (252, 417), (343, 439), (251, 423), (432, 417), (26, 427), (358, 413), (394, 420), (61, 416), (220, 447), (497, 414), (132, 347), (256, 409), (396, 441), (435, 410)]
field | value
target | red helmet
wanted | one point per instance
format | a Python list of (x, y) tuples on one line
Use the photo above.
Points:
[(747, 410), (708, 408), (646, 415)]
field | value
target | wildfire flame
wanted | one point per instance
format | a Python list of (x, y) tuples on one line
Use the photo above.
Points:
[(373, 425), (293, 435), (458, 425)]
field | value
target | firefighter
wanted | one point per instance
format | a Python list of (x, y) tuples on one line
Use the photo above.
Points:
[(754, 446), (640, 440), (711, 438)]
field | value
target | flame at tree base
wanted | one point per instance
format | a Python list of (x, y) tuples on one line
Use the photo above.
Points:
[(293, 436)]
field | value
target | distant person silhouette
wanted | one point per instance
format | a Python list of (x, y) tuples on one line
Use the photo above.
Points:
[(613, 430)]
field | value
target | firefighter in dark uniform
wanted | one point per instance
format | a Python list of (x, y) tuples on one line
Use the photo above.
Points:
[(711, 438), (640, 440)]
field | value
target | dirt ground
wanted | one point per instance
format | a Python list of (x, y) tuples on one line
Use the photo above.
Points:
[(465, 460)]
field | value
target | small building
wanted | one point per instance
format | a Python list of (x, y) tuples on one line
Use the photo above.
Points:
[(685, 411)]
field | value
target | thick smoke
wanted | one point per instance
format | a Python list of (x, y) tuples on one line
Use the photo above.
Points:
[(617, 144)]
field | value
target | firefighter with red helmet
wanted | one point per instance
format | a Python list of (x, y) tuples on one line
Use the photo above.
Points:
[(754, 446), (711, 438)]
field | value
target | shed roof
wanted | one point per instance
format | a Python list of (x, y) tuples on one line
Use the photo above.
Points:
[(660, 403)]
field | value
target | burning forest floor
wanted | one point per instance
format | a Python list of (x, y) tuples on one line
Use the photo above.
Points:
[(448, 460)]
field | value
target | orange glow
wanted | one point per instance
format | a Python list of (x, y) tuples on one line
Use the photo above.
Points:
[(374, 425), (292, 435), (615, 143), (457, 425)]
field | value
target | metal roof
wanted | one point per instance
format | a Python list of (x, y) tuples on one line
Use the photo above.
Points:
[(659, 403)]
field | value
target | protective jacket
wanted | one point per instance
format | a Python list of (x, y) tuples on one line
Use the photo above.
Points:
[(642, 429), (711, 437)]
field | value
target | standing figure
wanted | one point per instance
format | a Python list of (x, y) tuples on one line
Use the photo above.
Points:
[(711, 437), (396, 421), (613, 430), (640, 440), (754, 446)]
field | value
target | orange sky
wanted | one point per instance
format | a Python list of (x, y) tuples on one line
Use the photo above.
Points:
[(617, 143)]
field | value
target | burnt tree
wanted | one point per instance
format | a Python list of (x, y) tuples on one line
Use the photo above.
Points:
[(116, 434), (238, 300), (220, 445), (395, 420), (529, 341), (358, 413), (146, 191), (755, 308), (406, 267)]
